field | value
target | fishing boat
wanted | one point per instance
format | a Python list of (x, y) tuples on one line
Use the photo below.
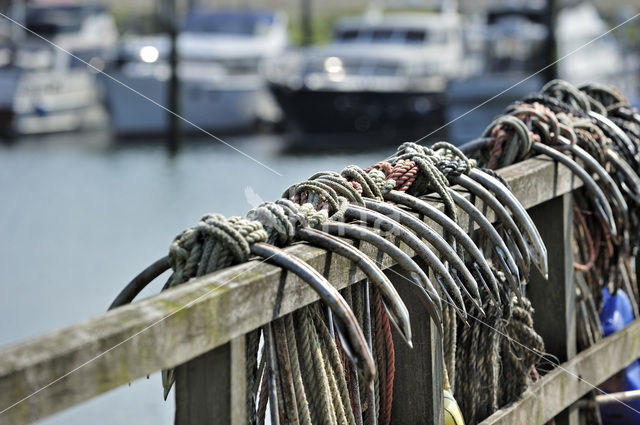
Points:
[(219, 57), (380, 79)]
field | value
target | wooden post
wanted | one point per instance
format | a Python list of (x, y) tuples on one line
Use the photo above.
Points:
[(417, 395), (554, 300), (306, 22), (211, 389)]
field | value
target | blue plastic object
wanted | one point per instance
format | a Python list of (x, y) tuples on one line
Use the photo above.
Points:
[(616, 314)]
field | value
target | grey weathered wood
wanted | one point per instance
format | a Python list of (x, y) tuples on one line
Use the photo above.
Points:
[(94, 356), (238, 388), (417, 395), (554, 299), (203, 393), (566, 384)]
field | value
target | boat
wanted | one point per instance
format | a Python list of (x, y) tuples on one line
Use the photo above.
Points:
[(219, 57), (381, 78), (508, 55), (47, 89)]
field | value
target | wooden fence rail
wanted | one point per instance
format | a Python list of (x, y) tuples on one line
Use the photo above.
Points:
[(199, 327)]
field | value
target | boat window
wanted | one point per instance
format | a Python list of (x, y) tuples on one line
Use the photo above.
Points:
[(382, 35), (228, 23), (386, 69), (50, 21), (347, 35), (416, 36)]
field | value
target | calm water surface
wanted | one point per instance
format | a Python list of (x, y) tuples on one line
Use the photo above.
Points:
[(79, 217)]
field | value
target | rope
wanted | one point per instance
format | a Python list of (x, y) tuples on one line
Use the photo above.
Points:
[(495, 370)]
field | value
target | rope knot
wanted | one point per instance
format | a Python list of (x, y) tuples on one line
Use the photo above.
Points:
[(278, 225), (213, 243)]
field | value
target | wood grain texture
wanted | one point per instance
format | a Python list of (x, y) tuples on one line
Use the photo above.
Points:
[(566, 384)]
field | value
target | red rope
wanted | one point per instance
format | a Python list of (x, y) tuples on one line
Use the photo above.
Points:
[(386, 360), (592, 251)]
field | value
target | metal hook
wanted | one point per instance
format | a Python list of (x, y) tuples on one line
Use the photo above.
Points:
[(538, 249), (431, 236), (480, 263), (393, 303), (602, 205), (629, 174), (445, 280), (139, 282), (499, 247), (354, 338), (594, 166), (430, 297), (524, 259)]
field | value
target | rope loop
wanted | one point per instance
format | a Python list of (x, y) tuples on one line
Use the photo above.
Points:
[(452, 160), (566, 92), (369, 187)]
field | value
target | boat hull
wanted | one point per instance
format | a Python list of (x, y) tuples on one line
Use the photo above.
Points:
[(204, 105), (326, 118)]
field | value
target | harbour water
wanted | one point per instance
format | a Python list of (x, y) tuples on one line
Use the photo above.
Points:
[(80, 216)]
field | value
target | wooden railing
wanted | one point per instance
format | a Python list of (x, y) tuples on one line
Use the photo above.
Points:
[(199, 328)]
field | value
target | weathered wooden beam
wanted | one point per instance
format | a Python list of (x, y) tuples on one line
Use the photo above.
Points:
[(554, 300), (203, 389), (568, 383), (61, 369), (417, 392)]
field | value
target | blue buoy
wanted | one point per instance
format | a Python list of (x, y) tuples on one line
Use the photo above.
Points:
[(616, 314)]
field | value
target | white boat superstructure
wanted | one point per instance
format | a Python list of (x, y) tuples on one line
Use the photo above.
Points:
[(221, 88), (379, 52)]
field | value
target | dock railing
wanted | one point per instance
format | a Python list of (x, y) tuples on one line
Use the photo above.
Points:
[(200, 329)]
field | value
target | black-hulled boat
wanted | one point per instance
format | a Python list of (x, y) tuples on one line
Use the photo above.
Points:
[(380, 80)]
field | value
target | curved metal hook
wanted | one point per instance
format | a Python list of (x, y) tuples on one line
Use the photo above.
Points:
[(606, 122), (602, 204), (439, 270), (629, 174), (523, 259), (594, 166), (500, 248), (430, 235), (504, 195), (357, 345), (398, 312), (485, 274), (419, 279), (139, 282)]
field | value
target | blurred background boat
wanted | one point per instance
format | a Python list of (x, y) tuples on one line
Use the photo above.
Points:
[(509, 50), (44, 89), (381, 78), (220, 85)]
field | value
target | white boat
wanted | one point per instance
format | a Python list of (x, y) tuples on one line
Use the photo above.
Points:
[(44, 89), (382, 76), (221, 88)]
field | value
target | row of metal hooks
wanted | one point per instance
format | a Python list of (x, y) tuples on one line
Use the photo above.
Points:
[(454, 269)]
